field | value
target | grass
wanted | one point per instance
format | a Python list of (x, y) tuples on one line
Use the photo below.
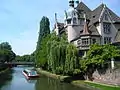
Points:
[(102, 86)]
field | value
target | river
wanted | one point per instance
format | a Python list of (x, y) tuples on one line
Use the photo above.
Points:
[(15, 80)]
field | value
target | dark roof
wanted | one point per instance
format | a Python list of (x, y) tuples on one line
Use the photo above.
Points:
[(60, 25), (83, 8), (94, 30), (117, 37), (114, 17), (95, 14)]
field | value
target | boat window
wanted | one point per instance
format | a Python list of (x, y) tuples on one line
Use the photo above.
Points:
[(33, 73)]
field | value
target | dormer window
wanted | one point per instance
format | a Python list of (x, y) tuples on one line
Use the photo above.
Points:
[(106, 28), (94, 16), (106, 17)]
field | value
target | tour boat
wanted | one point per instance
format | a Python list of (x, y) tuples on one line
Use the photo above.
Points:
[(30, 73)]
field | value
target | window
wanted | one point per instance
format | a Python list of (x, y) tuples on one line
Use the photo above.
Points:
[(81, 21), (94, 41), (94, 16), (106, 28), (79, 42), (107, 40), (106, 17), (74, 21), (69, 21), (85, 41)]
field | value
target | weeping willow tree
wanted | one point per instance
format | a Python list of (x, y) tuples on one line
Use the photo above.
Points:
[(72, 60), (56, 53), (62, 56)]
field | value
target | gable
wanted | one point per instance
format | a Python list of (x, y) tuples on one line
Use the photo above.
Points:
[(98, 12)]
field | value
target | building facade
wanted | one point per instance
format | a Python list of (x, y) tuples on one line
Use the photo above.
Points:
[(85, 26)]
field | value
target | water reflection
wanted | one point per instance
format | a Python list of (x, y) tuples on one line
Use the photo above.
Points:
[(15, 80), (52, 84), (5, 77)]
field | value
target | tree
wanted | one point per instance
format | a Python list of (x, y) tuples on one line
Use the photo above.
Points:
[(56, 52), (98, 56), (6, 53), (5, 45), (44, 30), (42, 40), (72, 60)]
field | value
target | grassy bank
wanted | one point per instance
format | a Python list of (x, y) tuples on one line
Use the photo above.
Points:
[(102, 86), (63, 79), (81, 83), (48, 74), (96, 86)]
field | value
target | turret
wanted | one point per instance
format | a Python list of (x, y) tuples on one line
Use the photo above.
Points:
[(71, 21)]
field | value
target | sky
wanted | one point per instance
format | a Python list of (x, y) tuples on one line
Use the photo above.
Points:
[(19, 19)]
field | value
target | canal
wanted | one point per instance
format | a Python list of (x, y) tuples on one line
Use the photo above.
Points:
[(14, 80)]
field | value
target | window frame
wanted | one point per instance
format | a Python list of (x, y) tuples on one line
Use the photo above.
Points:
[(85, 41), (107, 40), (107, 28)]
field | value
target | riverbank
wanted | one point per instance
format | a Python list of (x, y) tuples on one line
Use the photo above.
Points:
[(63, 79), (48, 74), (4, 71), (92, 85)]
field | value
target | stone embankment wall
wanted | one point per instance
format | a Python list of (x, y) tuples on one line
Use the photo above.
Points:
[(108, 77)]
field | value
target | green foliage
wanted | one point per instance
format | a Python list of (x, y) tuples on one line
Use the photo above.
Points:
[(44, 30), (71, 62), (40, 53), (62, 56), (56, 47), (98, 56), (25, 58), (6, 53)]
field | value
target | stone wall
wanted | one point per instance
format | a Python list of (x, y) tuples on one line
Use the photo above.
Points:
[(107, 76)]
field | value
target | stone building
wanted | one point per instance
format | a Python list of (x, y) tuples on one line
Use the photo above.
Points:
[(85, 26)]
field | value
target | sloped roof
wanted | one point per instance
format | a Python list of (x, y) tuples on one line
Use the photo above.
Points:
[(60, 25), (94, 30), (83, 8), (117, 37), (114, 17), (95, 14)]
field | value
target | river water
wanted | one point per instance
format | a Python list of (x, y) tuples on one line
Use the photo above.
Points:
[(15, 80)]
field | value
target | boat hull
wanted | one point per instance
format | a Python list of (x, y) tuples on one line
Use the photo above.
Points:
[(30, 76)]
